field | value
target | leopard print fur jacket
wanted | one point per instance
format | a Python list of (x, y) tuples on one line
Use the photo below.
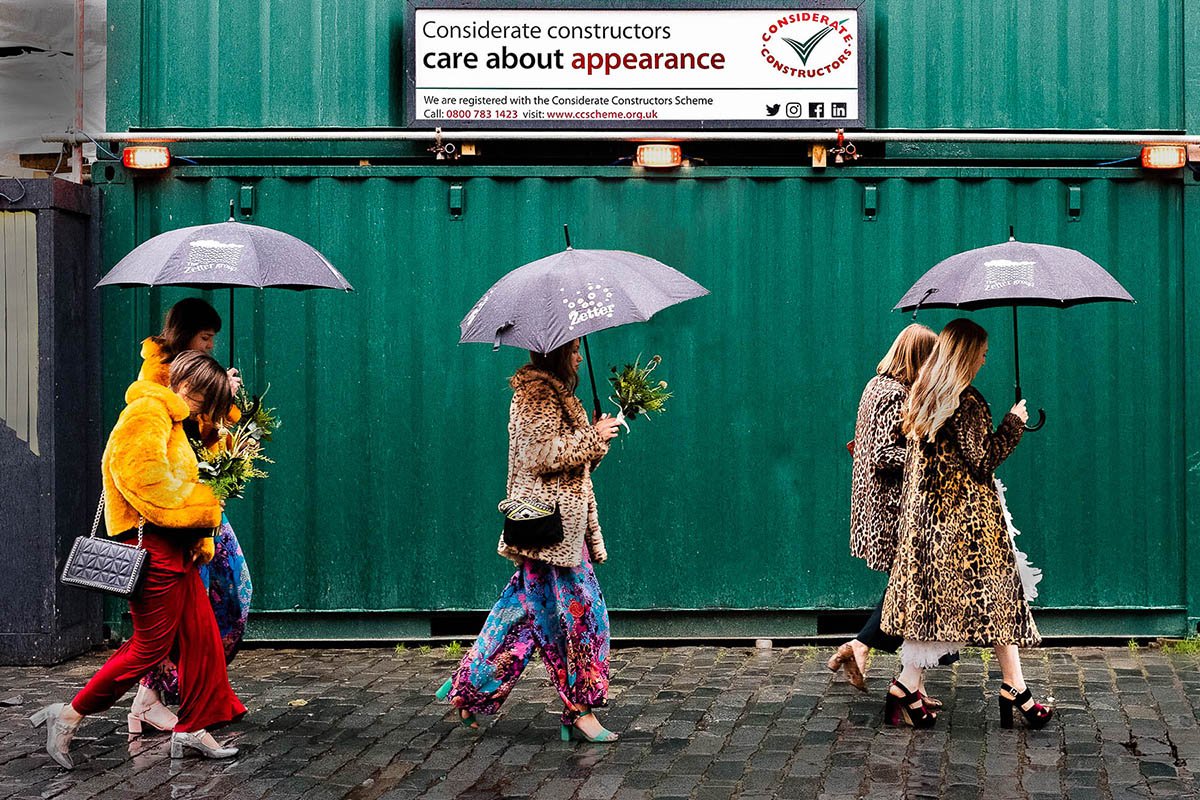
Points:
[(954, 577), (552, 450), (878, 471)]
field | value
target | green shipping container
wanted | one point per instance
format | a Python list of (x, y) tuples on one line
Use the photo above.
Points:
[(728, 516)]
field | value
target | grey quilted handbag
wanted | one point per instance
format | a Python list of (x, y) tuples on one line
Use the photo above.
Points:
[(105, 565)]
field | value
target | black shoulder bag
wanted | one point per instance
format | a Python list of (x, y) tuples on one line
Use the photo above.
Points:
[(529, 525)]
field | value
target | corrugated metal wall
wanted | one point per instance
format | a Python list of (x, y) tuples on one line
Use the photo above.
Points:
[(1079, 64), (392, 454)]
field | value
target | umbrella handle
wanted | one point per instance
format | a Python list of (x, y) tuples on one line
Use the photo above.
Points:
[(1041, 421), (928, 293), (255, 404)]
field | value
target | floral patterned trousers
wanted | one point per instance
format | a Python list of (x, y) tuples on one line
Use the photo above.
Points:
[(557, 611), (227, 582)]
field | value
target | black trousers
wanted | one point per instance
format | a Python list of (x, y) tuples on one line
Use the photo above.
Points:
[(872, 636)]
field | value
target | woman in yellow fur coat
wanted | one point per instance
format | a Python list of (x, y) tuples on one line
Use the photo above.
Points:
[(193, 324), (151, 484)]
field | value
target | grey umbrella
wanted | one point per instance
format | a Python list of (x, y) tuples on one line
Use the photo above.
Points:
[(1014, 274), (224, 256), (547, 303)]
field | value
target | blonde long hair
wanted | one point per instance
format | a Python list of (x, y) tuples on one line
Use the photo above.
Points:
[(906, 355), (955, 361)]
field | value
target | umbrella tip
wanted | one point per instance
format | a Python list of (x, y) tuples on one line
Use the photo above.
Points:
[(567, 235), (231, 219), (1011, 236)]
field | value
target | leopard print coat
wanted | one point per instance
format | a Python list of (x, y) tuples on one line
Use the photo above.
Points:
[(954, 577), (552, 450), (879, 447)]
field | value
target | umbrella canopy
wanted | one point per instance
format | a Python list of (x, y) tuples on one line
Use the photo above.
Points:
[(1014, 274), (565, 296), (226, 255)]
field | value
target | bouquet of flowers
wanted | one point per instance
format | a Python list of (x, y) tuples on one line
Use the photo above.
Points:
[(635, 392), (227, 466)]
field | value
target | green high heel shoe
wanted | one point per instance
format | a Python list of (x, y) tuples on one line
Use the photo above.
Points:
[(469, 720), (569, 732)]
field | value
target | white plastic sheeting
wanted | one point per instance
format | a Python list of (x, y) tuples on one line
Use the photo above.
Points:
[(37, 88)]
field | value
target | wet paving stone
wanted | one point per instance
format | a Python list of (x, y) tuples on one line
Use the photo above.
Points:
[(703, 723)]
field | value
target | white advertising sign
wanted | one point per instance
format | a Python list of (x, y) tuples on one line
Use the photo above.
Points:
[(799, 66)]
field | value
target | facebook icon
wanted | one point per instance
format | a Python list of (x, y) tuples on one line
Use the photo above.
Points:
[(816, 110)]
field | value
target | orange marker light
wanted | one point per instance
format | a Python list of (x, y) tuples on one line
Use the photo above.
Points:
[(659, 156), (1164, 156), (146, 157)]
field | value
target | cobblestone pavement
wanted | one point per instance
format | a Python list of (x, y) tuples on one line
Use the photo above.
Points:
[(699, 722)]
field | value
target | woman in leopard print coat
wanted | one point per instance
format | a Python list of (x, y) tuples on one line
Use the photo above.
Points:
[(553, 603), (876, 477), (954, 578)]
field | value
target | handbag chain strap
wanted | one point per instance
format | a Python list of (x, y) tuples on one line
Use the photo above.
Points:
[(100, 513)]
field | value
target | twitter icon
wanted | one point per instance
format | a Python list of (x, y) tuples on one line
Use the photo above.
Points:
[(772, 110)]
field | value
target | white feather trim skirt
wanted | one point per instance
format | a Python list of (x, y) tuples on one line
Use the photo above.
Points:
[(928, 654), (1031, 576)]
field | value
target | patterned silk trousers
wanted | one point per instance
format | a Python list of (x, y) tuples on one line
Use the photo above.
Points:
[(558, 612)]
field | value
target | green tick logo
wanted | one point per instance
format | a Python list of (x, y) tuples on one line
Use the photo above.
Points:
[(805, 49), (839, 55)]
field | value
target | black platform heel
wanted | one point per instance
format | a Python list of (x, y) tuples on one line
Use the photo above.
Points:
[(907, 710), (1037, 716)]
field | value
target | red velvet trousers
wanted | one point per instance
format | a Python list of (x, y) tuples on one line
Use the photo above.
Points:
[(172, 616)]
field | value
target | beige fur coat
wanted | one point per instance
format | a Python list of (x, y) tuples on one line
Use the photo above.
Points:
[(552, 449)]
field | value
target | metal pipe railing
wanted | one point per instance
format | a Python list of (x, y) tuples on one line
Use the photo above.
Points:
[(77, 150), (473, 135)]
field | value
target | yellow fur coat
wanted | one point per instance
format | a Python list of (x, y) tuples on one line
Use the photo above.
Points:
[(149, 467)]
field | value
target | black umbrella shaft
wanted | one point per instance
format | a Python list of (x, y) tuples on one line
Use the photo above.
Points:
[(230, 364), (587, 353), (1016, 353)]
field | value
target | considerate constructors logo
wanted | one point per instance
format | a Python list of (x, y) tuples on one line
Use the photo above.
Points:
[(799, 36)]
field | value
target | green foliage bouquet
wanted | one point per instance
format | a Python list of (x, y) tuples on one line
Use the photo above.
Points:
[(636, 393), (233, 461)]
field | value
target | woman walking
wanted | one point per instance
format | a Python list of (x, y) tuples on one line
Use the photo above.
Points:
[(955, 579), (193, 324), (553, 603), (876, 477), (151, 484)]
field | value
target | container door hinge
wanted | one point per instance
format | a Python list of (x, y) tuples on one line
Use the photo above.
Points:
[(246, 201), (1074, 203), (870, 202)]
